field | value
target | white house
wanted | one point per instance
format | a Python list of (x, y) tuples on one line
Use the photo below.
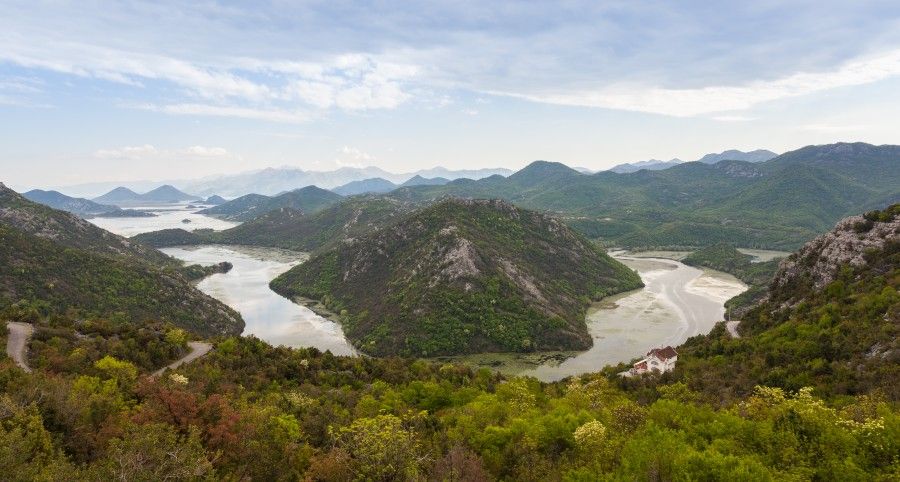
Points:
[(658, 359)]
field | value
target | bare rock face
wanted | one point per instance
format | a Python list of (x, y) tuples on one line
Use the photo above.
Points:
[(819, 260)]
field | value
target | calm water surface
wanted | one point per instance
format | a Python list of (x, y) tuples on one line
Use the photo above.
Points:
[(170, 216), (245, 288), (268, 315), (677, 302)]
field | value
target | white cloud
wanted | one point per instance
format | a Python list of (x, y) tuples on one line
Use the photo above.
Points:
[(127, 152), (272, 115), (150, 152), (353, 157), (833, 128), (201, 151), (707, 100), (733, 118)]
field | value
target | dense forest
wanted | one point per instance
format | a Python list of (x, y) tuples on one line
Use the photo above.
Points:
[(808, 392), (251, 411), (462, 276)]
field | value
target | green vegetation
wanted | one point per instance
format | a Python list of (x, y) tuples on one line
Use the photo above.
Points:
[(777, 204), (61, 344), (309, 199), (54, 280), (841, 339), (70, 231), (462, 277), (289, 228), (53, 263), (809, 392), (251, 411), (197, 272)]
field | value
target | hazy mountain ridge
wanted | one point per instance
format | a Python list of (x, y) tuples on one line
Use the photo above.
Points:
[(289, 228), (759, 155), (375, 185), (307, 200), (462, 277), (122, 196), (275, 180), (57, 200), (779, 203)]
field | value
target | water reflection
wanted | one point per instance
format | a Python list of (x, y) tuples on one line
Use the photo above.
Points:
[(245, 288)]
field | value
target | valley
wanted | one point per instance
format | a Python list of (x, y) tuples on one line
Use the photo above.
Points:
[(677, 302)]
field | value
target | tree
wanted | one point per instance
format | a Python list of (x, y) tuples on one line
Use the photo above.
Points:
[(153, 452), (381, 449)]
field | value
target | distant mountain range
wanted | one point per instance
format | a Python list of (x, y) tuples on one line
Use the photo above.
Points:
[(651, 165), (306, 200), (272, 181), (779, 203), (379, 185), (80, 206), (376, 185), (759, 155), (122, 196)]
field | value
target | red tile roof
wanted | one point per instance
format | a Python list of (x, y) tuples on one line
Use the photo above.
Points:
[(663, 353)]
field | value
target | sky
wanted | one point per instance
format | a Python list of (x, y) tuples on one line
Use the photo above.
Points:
[(109, 91)]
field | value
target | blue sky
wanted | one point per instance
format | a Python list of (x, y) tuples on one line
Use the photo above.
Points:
[(100, 91)]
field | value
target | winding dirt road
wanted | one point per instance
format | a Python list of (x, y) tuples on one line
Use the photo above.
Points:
[(198, 349), (16, 344), (731, 326)]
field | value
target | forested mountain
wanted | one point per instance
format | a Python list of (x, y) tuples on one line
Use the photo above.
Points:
[(779, 203), (418, 180), (462, 277), (58, 200), (830, 320), (52, 262), (307, 200), (291, 229), (82, 207), (41, 278), (69, 230), (366, 186)]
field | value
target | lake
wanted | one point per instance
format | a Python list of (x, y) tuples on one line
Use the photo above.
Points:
[(677, 302)]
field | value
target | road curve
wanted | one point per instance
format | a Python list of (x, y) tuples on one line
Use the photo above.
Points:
[(198, 349), (17, 342), (731, 326)]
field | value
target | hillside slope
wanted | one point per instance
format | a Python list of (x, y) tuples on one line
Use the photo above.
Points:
[(830, 320), (290, 229), (58, 279), (309, 199), (58, 261), (462, 276), (69, 230), (58, 200), (780, 203)]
